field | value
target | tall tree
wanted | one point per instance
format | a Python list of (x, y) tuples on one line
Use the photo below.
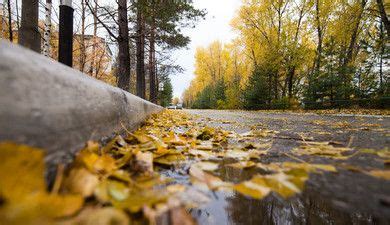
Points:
[(29, 35), (123, 47), (384, 18), (152, 57), (95, 23), (47, 32), (83, 54), (3, 19), (120, 35), (10, 32), (17, 13), (152, 65), (140, 45)]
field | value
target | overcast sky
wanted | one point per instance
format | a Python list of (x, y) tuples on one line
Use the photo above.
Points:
[(216, 26)]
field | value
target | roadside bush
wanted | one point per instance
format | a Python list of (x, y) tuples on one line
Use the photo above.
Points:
[(283, 103)]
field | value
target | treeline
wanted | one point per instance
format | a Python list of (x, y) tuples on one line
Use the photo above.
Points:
[(294, 52), (144, 33)]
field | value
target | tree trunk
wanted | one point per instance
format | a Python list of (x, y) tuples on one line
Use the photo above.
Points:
[(291, 74), (17, 14), (275, 86), (93, 62), (29, 35), (152, 75), (382, 52), (47, 33), (82, 58), (140, 42), (384, 18), (352, 45), (3, 22), (319, 35), (11, 36), (123, 47), (355, 33)]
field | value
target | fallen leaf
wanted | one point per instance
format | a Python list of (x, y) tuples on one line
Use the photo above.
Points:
[(81, 181), (324, 149), (382, 174), (242, 164), (179, 216), (207, 166), (212, 182), (26, 166), (99, 216), (260, 186)]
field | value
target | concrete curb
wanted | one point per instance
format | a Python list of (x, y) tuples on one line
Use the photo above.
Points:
[(49, 105)]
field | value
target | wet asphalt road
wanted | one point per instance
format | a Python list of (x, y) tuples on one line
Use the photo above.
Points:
[(345, 197)]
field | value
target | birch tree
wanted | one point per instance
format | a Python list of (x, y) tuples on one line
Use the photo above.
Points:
[(47, 32)]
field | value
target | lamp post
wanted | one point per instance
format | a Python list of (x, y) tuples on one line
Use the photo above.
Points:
[(65, 45)]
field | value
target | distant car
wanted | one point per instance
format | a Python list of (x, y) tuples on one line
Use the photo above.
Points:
[(179, 106), (171, 106)]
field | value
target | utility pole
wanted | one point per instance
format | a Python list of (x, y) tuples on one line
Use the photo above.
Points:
[(65, 45), (29, 35)]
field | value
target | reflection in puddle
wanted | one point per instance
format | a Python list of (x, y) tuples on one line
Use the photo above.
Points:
[(231, 208), (306, 208)]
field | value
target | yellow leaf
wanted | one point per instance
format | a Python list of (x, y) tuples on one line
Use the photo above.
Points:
[(117, 190), (309, 167), (284, 184), (202, 154), (92, 146), (170, 159), (206, 134), (175, 188), (207, 166), (242, 164), (202, 177), (81, 181), (21, 171), (24, 192), (244, 155), (138, 199), (324, 149), (254, 188), (100, 216), (143, 162), (40, 208), (382, 174), (104, 164)]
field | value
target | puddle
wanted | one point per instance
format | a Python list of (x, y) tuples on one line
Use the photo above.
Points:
[(309, 207)]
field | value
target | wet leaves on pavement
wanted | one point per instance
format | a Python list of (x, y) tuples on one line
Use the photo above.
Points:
[(127, 176)]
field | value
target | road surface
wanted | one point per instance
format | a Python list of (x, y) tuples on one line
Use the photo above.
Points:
[(345, 197)]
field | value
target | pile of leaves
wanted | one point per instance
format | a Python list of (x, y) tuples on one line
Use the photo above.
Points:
[(123, 181)]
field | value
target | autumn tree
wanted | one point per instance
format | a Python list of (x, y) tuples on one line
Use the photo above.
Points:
[(288, 51)]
